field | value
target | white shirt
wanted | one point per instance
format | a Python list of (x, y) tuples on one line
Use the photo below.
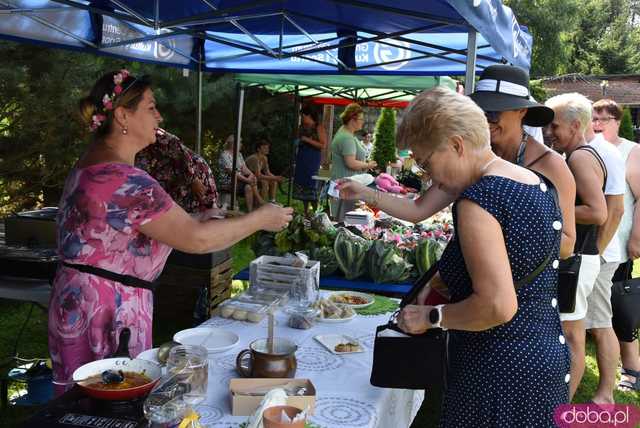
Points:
[(615, 185), (368, 148), (535, 132)]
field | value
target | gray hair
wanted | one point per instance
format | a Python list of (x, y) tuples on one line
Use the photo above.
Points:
[(571, 107), (438, 114)]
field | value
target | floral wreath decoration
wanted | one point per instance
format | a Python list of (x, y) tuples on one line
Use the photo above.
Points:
[(108, 101)]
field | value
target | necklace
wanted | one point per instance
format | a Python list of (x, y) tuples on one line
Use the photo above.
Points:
[(521, 149)]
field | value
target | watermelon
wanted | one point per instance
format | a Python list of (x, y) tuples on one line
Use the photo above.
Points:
[(428, 251), (351, 253), (327, 258), (385, 264)]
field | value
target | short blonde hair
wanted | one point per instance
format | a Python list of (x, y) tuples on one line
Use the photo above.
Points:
[(438, 114), (570, 107)]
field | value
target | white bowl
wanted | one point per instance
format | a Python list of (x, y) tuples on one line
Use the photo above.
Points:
[(149, 355), (212, 338)]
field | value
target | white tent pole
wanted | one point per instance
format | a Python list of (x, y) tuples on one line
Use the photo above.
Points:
[(470, 74), (236, 143)]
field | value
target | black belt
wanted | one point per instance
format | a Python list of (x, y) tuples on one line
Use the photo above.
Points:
[(128, 280)]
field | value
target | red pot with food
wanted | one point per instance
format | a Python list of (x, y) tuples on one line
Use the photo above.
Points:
[(117, 378)]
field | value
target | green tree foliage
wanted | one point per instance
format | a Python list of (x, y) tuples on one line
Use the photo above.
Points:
[(384, 149), (538, 91), (604, 40), (626, 126), (582, 36), (548, 21), (41, 138)]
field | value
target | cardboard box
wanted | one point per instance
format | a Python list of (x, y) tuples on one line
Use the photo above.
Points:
[(246, 405)]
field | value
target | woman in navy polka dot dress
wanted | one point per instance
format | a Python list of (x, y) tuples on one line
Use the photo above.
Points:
[(508, 361)]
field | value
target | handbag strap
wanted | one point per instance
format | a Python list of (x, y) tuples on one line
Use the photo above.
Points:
[(418, 285), (542, 266), (603, 166), (537, 271), (128, 280)]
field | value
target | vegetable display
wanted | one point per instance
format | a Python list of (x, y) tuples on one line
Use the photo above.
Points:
[(327, 258), (428, 251), (386, 264), (389, 252), (351, 253)]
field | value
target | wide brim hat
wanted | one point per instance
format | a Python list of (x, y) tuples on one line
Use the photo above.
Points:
[(506, 87)]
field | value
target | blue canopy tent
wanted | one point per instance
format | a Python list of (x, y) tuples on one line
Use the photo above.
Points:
[(404, 37)]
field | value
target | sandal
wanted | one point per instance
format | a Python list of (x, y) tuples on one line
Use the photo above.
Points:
[(627, 386)]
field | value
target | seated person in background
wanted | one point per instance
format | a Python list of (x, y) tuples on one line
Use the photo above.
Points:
[(258, 164), (247, 182)]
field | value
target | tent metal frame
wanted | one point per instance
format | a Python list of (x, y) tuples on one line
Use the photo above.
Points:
[(193, 26)]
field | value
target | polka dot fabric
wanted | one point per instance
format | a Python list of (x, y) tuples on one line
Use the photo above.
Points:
[(516, 374)]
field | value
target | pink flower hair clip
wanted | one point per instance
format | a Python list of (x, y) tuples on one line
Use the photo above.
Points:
[(108, 100), (96, 121)]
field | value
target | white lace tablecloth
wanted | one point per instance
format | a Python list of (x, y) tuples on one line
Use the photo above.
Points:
[(345, 398)]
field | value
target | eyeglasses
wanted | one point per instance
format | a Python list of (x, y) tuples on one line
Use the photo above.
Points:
[(493, 116), (424, 166), (603, 120)]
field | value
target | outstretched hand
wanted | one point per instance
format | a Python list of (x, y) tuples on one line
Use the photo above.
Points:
[(274, 218), (352, 190)]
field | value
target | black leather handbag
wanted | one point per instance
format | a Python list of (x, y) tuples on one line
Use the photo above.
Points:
[(625, 304), (568, 275), (407, 361), (569, 269), (418, 361)]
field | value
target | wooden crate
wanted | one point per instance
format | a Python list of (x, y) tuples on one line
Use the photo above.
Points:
[(220, 285), (179, 288)]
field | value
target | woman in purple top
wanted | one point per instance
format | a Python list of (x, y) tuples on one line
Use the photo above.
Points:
[(116, 219)]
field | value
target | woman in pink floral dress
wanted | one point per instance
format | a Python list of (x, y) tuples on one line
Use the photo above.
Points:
[(116, 219)]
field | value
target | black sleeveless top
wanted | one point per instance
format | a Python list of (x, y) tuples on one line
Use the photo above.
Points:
[(587, 234)]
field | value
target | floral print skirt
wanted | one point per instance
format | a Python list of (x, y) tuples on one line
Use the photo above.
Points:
[(86, 315)]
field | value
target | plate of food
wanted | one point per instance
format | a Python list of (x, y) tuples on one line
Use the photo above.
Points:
[(117, 378), (339, 343), (352, 298), (334, 312)]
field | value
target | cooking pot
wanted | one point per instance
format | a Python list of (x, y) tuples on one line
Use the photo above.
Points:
[(147, 368)]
